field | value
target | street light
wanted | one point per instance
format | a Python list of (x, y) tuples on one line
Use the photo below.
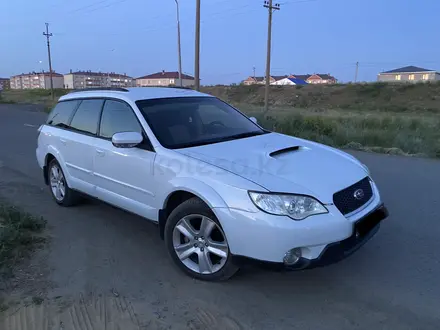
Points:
[(178, 44)]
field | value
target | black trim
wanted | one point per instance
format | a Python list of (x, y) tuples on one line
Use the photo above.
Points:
[(45, 174), (97, 89), (282, 151), (162, 221), (347, 203), (98, 130), (334, 252)]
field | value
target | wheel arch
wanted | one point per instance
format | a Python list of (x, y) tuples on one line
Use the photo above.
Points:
[(181, 193), (52, 153), (49, 157)]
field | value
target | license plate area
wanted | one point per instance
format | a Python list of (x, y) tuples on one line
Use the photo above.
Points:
[(365, 225)]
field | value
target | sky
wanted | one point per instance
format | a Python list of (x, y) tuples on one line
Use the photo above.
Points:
[(139, 37)]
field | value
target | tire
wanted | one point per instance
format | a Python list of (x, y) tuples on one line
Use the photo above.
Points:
[(59, 189), (205, 258)]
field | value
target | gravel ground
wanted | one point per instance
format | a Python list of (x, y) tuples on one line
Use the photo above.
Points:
[(99, 251)]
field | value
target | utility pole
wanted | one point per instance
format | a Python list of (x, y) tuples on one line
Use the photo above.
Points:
[(48, 35), (197, 50), (254, 73), (271, 8), (356, 73), (178, 45)]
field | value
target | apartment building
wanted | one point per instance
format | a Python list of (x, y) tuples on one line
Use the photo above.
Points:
[(5, 83), (90, 79), (165, 78), (36, 80)]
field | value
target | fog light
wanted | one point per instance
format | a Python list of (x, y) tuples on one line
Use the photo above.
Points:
[(292, 256)]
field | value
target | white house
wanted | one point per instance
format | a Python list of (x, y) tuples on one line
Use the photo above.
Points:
[(289, 81)]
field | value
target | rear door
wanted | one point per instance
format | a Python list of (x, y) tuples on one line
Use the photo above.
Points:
[(79, 145), (53, 136), (124, 176)]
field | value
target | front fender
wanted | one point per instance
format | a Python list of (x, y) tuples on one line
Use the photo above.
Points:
[(196, 187)]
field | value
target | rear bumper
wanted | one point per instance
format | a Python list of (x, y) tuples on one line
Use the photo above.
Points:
[(364, 229)]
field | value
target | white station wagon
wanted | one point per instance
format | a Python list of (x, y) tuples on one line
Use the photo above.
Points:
[(223, 190)]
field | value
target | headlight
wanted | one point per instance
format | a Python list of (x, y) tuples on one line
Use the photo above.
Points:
[(297, 207)]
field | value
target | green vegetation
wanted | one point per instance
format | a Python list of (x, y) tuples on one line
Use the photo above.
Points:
[(381, 117), (37, 300), (383, 132), (32, 96), (374, 97), (387, 118), (20, 234)]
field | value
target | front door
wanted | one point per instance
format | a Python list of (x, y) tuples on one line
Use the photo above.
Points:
[(124, 176)]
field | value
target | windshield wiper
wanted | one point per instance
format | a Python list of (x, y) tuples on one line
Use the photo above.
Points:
[(241, 136), (220, 139)]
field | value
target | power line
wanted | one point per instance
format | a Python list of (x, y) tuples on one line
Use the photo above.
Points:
[(88, 6), (294, 2), (103, 7)]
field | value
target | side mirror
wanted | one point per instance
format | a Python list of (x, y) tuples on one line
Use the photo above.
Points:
[(127, 139), (253, 119)]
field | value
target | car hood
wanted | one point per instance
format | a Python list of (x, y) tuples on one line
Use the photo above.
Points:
[(281, 163)]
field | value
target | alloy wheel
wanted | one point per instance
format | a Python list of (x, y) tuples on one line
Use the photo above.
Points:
[(57, 183), (200, 244)]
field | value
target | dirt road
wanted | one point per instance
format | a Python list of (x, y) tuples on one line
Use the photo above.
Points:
[(101, 256)]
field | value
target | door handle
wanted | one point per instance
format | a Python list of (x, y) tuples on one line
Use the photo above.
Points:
[(100, 152), (63, 141)]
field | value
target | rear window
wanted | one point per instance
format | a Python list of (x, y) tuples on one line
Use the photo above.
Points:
[(60, 115)]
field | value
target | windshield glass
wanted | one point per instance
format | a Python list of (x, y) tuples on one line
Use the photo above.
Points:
[(191, 121)]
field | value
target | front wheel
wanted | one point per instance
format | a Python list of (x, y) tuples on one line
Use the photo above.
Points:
[(196, 242)]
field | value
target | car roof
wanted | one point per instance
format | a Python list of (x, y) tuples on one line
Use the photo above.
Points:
[(134, 93)]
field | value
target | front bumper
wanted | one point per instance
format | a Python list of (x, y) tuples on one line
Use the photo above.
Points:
[(364, 229)]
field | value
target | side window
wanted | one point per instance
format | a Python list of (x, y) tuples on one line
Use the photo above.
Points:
[(86, 118), (61, 114), (118, 117)]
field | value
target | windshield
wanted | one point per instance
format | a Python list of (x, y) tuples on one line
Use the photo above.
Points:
[(192, 121)]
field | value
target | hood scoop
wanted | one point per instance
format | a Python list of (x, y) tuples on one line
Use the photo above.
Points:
[(284, 151)]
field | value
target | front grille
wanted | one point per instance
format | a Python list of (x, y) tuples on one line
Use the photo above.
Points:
[(345, 200)]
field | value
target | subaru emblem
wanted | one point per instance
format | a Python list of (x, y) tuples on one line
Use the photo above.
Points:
[(359, 194)]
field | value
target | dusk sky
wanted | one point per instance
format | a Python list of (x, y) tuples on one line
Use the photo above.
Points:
[(138, 37)]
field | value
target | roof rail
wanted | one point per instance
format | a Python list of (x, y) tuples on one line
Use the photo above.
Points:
[(181, 87), (169, 86), (116, 89)]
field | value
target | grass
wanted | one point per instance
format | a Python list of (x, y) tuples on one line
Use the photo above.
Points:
[(20, 234), (402, 134), (380, 117), (32, 96)]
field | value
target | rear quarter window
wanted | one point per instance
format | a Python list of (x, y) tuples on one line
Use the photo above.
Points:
[(60, 115)]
